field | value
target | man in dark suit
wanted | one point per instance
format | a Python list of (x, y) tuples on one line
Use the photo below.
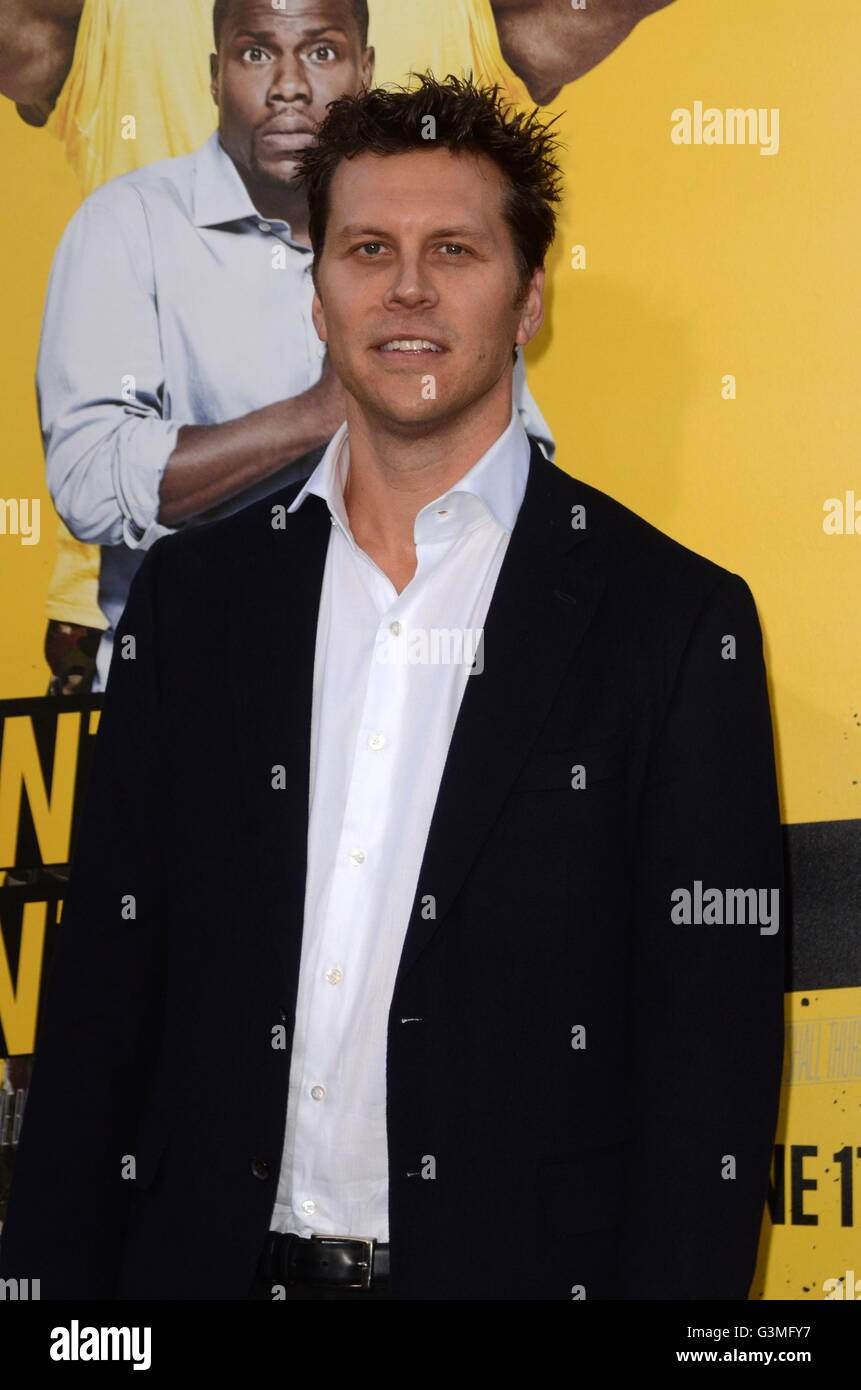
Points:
[(498, 1014)]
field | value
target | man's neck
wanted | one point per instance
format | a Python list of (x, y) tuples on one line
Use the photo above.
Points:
[(395, 472), (286, 205), (280, 202)]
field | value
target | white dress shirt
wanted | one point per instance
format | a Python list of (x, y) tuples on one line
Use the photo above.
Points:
[(386, 694)]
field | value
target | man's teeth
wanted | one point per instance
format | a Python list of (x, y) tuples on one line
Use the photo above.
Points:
[(410, 345)]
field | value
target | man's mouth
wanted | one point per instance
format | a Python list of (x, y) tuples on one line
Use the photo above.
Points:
[(413, 347), (287, 139), (287, 133)]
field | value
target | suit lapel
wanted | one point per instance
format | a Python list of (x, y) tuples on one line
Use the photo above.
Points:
[(275, 597), (540, 609)]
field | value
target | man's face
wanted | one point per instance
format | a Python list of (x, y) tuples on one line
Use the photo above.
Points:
[(417, 247), (274, 75)]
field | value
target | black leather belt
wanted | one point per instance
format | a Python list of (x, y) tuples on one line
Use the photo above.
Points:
[(345, 1262)]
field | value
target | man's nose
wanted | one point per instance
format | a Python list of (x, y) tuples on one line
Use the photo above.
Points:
[(289, 81), (410, 285)]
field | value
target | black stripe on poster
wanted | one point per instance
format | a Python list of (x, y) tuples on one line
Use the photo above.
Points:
[(823, 861)]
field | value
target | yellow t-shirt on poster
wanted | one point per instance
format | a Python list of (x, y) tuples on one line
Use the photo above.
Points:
[(446, 36)]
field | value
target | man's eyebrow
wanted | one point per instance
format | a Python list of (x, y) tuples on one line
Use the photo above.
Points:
[(269, 36), (472, 233), (352, 229), (325, 29), (262, 35)]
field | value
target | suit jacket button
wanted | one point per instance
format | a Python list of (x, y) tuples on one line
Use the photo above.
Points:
[(260, 1168)]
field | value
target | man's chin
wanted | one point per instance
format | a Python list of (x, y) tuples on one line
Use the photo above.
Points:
[(279, 172), (407, 415)]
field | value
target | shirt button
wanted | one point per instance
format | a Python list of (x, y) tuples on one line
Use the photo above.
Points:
[(377, 741), (318, 1092), (264, 226), (334, 975), (395, 627), (357, 856), (309, 1206)]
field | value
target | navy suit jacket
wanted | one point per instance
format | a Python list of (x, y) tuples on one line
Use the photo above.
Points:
[(597, 1083)]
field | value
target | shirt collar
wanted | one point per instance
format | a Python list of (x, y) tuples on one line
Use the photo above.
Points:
[(494, 486), (220, 196)]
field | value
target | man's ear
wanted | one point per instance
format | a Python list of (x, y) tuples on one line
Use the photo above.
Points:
[(213, 76), (319, 317), (531, 308), (369, 60)]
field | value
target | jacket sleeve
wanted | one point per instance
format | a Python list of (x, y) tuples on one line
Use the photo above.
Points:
[(707, 1003), (68, 1199)]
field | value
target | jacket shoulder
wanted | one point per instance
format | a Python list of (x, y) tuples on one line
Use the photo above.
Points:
[(640, 557), (238, 535)]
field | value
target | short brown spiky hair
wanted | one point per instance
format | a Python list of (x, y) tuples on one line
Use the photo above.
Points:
[(476, 120)]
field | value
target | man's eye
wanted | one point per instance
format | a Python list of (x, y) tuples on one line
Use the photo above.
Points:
[(257, 51), (365, 244), (323, 48), (455, 246)]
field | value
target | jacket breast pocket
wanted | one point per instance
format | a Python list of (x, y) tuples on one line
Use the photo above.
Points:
[(584, 1192), (549, 768)]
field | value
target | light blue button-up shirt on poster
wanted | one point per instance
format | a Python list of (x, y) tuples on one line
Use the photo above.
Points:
[(171, 302)]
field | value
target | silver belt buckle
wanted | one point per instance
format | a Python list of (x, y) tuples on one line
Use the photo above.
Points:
[(366, 1265)]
